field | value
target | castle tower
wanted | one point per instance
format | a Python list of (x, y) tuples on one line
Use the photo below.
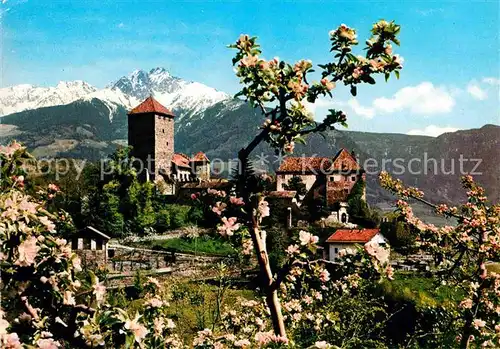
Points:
[(151, 134)]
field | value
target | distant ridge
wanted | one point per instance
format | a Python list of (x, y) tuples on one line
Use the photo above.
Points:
[(75, 119)]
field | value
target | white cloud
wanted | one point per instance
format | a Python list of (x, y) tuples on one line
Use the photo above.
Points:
[(121, 25), (320, 107), (476, 92), (424, 98), (491, 81), (432, 130), (360, 110)]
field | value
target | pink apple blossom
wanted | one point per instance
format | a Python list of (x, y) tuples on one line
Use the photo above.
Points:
[(10, 341), (324, 275), (307, 238), (219, 208), (28, 250), (99, 291), (53, 187), (154, 302), (228, 226), (49, 225), (138, 330), (293, 249), (322, 345), (47, 343), (478, 323), (236, 201), (327, 84), (263, 209)]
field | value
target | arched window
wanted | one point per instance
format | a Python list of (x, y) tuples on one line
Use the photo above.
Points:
[(343, 218)]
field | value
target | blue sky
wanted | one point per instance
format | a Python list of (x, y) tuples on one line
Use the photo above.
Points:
[(450, 78)]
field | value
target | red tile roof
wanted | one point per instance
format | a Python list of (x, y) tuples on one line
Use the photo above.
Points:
[(181, 160), (305, 165), (200, 157), (151, 105), (353, 235), (342, 161)]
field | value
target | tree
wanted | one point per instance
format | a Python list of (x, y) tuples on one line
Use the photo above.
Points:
[(296, 184), (46, 301), (359, 210), (401, 236), (299, 296), (116, 201), (461, 254), (281, 90)]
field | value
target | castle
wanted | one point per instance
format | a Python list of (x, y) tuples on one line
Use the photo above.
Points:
[(327, 180), (151, 136)]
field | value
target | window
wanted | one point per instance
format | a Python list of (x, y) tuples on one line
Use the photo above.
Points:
[(353, 178), (163, 130), (98, 244), (74, 244), (336, 250), (332, 179), (86, 244)]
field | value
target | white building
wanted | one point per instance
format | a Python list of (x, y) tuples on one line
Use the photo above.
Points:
[(349, 238)]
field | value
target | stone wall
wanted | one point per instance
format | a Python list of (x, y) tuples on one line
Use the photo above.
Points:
[(164, 144), (338, 186), (92, 259), (125, 260)]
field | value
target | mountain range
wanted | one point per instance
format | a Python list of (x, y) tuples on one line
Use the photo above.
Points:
[(75, 119)]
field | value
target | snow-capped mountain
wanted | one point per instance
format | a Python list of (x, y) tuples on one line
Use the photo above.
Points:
[(26, 97), (185, 98)]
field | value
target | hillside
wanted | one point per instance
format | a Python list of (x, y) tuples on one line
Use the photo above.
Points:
[(75, 119)]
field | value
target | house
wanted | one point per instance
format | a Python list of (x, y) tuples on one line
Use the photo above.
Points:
[(151, 136), (349, 238), (91, 245), (329, 180)]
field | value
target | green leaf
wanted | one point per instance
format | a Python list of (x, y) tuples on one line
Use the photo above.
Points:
[(397, 74), (369, 79), (354, 90), (299, 140)]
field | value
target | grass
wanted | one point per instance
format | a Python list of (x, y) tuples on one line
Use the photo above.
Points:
[(421, 290), (205, 245), (493, 267), (193, 306)]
